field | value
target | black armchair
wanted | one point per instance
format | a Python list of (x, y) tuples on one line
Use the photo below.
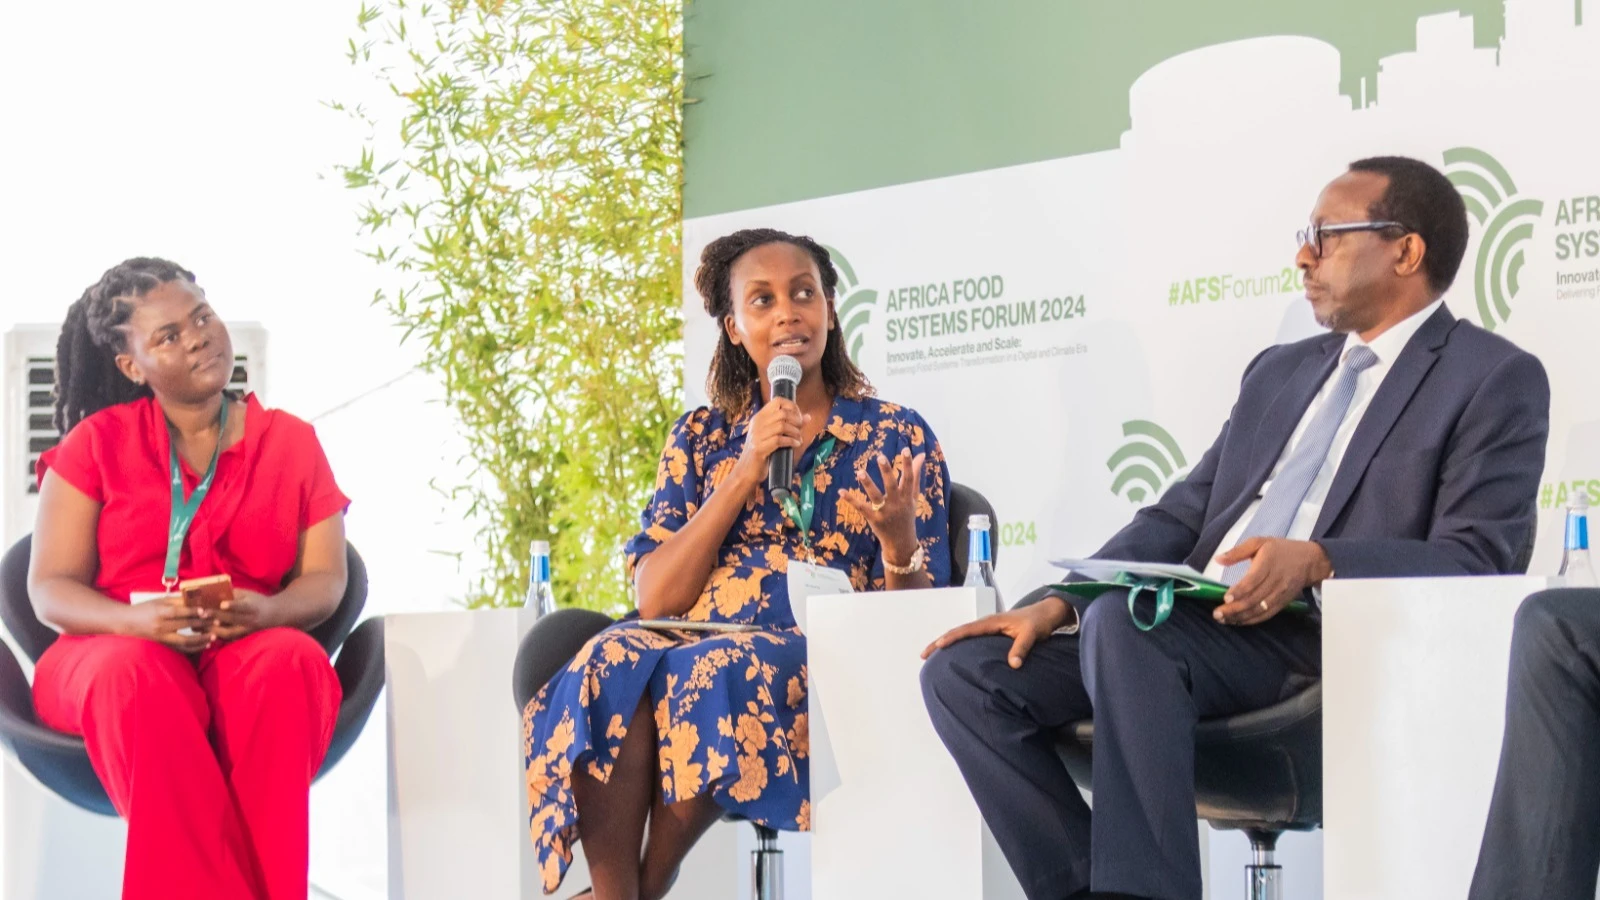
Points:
[(1258, 772), (60, 762), (556, 638)]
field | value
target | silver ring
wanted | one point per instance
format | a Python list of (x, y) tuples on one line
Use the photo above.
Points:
[(1264, 606)]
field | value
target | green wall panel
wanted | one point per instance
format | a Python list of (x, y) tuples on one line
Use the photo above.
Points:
[(794, 99)]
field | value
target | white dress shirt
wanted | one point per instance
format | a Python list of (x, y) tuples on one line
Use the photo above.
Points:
[(1387, 347)]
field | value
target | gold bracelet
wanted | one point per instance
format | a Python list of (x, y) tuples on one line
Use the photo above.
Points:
[(910, 568)]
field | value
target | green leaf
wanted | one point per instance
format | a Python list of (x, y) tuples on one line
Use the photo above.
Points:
[(528, 224)]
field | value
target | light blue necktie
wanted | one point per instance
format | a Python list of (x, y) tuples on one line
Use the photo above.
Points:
[(1288, 490)]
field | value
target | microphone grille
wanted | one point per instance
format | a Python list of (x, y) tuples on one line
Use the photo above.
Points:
[(783, 368)]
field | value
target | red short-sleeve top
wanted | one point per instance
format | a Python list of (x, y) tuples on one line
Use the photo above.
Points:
[(269, 487)]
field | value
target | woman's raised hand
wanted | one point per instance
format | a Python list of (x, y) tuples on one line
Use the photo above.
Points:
[(892, 511)]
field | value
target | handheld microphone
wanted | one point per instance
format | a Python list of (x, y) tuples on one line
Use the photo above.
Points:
[(783, 373)]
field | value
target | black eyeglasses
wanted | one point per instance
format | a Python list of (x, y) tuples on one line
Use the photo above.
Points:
[(1313, 236)]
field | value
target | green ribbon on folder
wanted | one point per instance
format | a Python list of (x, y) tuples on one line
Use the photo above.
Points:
[(1166, 589), (1166, 595)]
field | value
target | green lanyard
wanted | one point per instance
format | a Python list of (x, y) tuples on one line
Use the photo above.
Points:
[(183, 510), (800, 514)]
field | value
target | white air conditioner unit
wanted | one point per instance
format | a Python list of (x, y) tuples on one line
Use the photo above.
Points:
[(30, 408)]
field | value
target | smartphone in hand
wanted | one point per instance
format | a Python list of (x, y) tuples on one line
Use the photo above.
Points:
[(207, 593)]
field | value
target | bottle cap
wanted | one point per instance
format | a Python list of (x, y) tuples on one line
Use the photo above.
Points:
[(977, 521), (1580, 500), (540, 548)]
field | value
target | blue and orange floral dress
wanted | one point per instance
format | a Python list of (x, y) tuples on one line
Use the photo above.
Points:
[(730, 709)]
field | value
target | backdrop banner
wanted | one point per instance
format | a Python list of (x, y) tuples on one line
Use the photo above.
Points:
[(1075, 330)]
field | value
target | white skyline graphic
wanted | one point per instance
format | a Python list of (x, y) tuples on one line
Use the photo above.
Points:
[(1228, 148), (1543, 40)]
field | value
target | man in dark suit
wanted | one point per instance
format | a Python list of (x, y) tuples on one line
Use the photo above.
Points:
[(1543, 834), (1406, 442)]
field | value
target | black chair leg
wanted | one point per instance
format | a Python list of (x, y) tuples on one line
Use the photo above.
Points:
[(1263, 878), (766, 866)]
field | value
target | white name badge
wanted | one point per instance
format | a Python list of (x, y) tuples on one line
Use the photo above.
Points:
[(807, 581)]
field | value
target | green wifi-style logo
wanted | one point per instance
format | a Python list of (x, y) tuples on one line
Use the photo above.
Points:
[(1507, 221), (854, 305), (1146, 463)]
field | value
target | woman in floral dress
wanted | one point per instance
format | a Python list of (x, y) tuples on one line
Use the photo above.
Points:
[(649, 736)]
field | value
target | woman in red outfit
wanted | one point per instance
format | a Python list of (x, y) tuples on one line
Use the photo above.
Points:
[(206, 728)]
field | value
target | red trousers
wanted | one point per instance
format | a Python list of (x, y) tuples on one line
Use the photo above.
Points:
[(209, 758)]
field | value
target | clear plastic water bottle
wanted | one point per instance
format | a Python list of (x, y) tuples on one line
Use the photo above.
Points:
[(980, 557), (541, 596), (1576, 566)]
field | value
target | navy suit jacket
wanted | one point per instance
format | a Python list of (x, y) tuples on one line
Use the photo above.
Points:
[(1441, 476)]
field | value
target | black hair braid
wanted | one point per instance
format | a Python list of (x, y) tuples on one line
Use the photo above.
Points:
[(87, 377), (733, 373)]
